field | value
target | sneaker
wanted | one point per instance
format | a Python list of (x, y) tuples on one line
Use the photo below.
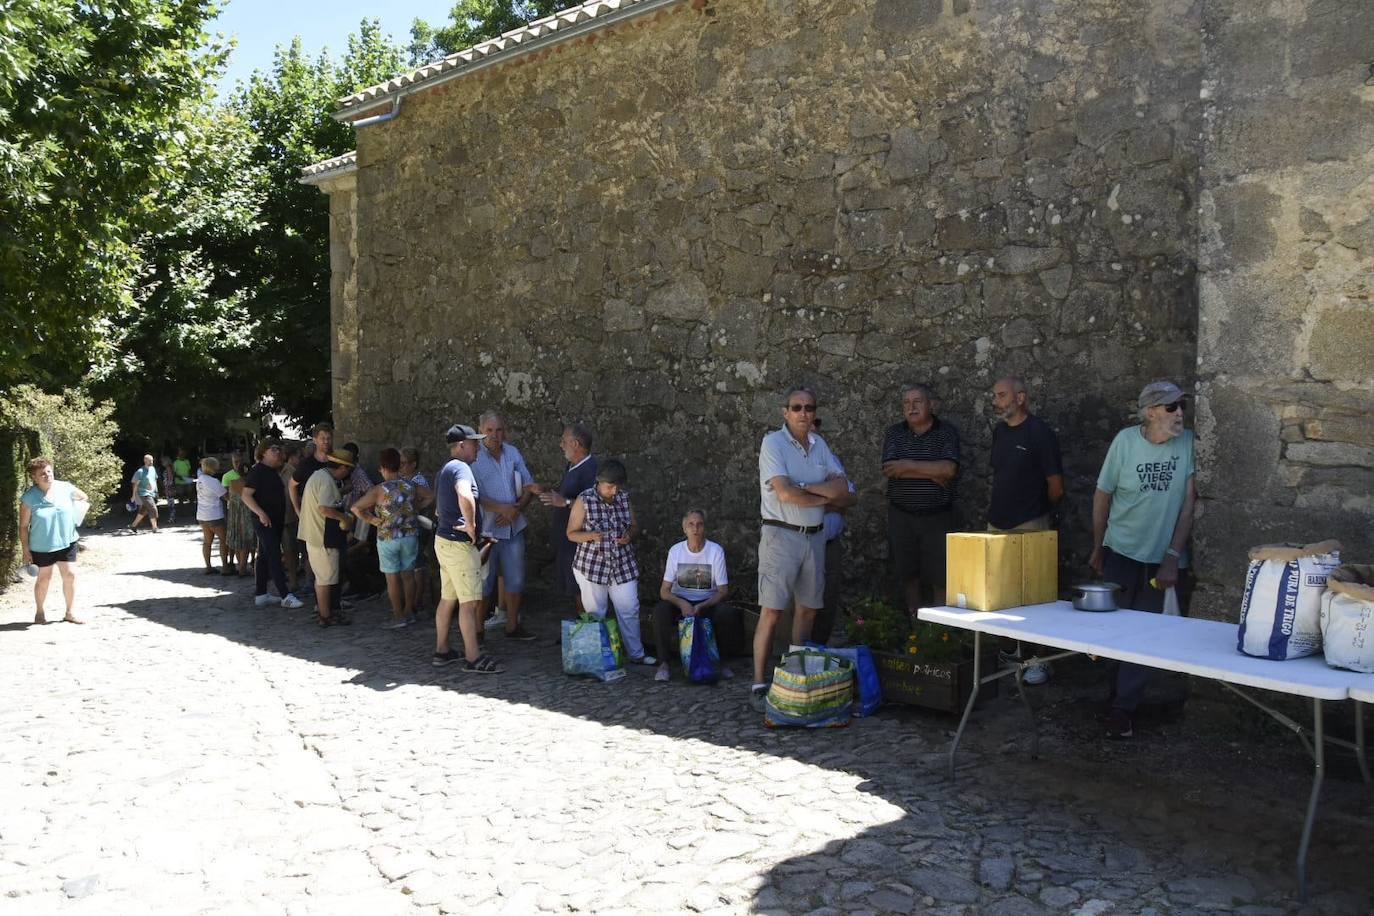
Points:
[(726, 674), (1120, 724), (291, 601), (758, 697), (395, 623), (442, 659), (263, 600), (497, 619), (644, 660), (345, 604), (661, 675), (1037, 674), (520, 633)]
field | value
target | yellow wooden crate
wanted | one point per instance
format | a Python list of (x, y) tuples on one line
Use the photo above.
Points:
[(1039, 567), (983, 570)]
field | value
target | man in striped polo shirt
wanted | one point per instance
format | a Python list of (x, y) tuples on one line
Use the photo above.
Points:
[(920, 462)]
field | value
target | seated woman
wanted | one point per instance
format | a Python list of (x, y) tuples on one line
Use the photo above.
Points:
[(694, 583), (602, 525)]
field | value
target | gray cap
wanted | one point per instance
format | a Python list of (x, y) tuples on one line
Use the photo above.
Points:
[(458, 432), (1161, 392)]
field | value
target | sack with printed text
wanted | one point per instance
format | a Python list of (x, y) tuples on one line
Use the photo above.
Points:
[(1348, 618), (591, 647), (696, 641), (869, 688), (1280, 615), (810, 690)]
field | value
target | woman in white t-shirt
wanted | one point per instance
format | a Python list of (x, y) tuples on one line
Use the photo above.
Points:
[(210, 513), (694, 582)]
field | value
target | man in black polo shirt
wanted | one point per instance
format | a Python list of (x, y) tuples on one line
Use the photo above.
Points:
[(1027, 471), (920, 462)]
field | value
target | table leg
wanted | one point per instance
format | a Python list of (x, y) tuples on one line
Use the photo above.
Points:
[(972, 698), (1318, 773), (1359, 741), (1025, 701)]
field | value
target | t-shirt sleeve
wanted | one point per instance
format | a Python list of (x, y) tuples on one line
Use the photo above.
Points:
[(214, 486), (890, 446), (670, 570), (1111, 466), (718, 573), (771, 463), (302, 474), (1048, 448), (951, 449)]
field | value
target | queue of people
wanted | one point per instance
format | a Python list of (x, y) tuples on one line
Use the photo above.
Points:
[(320, 498)]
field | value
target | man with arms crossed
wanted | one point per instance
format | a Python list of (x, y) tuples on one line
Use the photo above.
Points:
[(797, 478), (507, 488), (920, 462)]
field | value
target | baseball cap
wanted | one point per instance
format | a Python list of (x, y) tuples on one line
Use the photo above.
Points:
[(1161, 392), (339, 456), (458, 432)]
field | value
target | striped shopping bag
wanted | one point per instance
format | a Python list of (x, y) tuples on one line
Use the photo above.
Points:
[(810, 690)]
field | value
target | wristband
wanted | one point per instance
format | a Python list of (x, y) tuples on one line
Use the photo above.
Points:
[(1171, 552)]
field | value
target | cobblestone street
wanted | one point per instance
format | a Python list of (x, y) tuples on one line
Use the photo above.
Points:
[(186, 752)]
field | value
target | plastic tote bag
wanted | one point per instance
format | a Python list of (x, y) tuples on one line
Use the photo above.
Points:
[(1348, 619), (591, 647), (696, 640), (865, 676), (1280, 615), (810, 690)]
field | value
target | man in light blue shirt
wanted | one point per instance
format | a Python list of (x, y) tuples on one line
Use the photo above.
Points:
[(798, 477), (1142, 517), (506, 487)]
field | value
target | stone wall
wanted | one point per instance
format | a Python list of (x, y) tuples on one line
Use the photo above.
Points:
[(658, 228), (1286, 264)]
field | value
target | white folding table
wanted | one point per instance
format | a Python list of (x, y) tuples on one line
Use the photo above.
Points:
[(1205, 648)]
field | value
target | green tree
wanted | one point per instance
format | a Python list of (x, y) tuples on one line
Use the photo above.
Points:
[(474, 21), (290, 113), (93, 107)]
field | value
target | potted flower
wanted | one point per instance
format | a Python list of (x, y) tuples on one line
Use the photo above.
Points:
[(920, 664)]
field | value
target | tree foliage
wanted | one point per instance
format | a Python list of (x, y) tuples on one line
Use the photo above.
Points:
[(76, 432), (93, 109), (474, 21), (232, 311)]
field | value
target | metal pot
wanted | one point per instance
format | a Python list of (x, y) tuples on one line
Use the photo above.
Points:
[(1095, 596)]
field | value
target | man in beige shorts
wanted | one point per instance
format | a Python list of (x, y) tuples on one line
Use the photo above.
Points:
[(322, 529)]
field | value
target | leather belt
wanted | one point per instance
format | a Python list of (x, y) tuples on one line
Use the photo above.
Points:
[(800, 529)]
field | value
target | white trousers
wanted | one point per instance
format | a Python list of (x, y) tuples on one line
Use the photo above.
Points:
[(598, 599)]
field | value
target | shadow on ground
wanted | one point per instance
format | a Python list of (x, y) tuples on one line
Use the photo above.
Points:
[(1201, 812)]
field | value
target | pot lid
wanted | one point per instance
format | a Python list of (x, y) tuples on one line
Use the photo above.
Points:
[(1087, 587)]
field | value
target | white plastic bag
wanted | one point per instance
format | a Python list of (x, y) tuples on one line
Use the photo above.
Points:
[(1171, 605), (1280, 616), (1348, 619)]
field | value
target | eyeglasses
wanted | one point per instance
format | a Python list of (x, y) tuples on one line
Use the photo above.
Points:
[(802, 408), (1174, 407)]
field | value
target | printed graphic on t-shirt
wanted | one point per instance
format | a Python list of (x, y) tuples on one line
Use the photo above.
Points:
[(1157, 475), (694, 575)]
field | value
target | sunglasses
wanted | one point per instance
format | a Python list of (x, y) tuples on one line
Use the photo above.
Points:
[(1175, 407), (802, 408)]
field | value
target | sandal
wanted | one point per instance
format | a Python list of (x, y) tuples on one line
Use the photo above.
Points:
[(484, 664), (336, 619)]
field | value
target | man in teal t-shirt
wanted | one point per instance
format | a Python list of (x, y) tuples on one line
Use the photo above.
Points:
[(143, 493), (1142, 516)]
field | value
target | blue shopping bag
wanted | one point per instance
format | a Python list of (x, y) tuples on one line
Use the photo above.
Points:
[(696, 640), (865, 674), (591, 647)]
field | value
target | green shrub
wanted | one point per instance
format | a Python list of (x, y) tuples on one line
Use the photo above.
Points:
[(875, 623), (75, 432), (17, 446)]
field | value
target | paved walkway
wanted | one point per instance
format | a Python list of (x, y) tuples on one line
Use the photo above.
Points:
[(186, 752)]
